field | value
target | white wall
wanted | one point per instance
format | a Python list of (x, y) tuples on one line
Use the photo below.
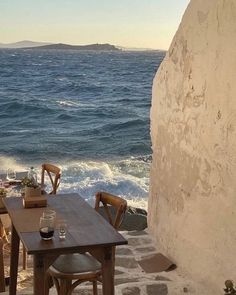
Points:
[(192, 202)]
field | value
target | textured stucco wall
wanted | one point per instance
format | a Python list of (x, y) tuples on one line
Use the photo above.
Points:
[(192, 202)]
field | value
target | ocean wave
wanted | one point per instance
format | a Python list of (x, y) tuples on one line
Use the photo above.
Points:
[(67, 103), (127, 178), (64, 117), (25, 107), (78, 107), (10, 162), (124, 125)]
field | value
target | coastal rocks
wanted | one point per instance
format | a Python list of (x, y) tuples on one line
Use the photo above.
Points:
[(191, 206), (135, 219)]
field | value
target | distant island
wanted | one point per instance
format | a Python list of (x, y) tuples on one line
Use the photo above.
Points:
[(26, 44), (61, 46), (22, 44)]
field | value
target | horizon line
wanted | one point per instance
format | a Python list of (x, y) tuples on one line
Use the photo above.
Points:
[(48, 42)]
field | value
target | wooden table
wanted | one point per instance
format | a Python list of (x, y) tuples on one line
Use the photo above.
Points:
[(87, 232)]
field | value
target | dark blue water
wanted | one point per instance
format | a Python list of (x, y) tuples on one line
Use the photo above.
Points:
[(85, 111)]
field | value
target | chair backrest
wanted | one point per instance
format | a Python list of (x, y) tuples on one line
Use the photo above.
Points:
[(54, 174), (109, 201)]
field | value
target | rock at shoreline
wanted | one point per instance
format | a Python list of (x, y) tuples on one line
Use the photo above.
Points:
[(134, 218)]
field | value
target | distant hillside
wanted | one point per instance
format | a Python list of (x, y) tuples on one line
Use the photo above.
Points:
[(23, 44), (139, 49), (26, 44), (61, 46)]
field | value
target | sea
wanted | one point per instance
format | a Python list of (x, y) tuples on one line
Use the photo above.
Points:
[(85, 111)]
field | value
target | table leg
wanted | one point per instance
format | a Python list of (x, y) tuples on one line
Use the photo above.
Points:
[(41, 281), (107, 258), (108, 272), (15, 241)]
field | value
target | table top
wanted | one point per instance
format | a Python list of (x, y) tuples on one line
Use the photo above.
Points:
[(86, 227)]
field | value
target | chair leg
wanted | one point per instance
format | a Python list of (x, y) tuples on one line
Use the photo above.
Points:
[(95, 288), (64, 287), (24, 258), (48, 283), (57, 284), (3, 233), (2, 276)]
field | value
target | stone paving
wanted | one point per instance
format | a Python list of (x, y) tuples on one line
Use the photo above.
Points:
[(130, 279)]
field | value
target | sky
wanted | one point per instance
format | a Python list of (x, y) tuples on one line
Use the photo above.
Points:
[(128, 23)]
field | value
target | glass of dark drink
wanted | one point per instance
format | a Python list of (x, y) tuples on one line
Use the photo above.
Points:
[(46, 227)]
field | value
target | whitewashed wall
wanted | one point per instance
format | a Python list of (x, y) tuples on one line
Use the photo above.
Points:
[(192, 203)]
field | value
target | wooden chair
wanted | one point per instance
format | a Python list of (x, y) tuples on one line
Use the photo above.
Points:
[(54, 174), (84, 267), (2, 276)]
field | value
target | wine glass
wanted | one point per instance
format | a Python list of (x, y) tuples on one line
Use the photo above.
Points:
[(11, 174), (62, 228)]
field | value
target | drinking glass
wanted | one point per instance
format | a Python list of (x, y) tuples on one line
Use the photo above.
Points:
[(11, 174), (46, 227), (50, 212), (62, 229)]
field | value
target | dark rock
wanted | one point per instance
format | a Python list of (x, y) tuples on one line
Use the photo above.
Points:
[(131, 221), (160, 289), (133, 210), (131, 291), (134, 222)]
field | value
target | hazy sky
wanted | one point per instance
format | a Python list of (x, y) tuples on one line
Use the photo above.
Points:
[(130, 23)]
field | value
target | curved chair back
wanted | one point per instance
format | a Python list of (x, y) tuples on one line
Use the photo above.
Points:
[(109, 201), (54, 174)]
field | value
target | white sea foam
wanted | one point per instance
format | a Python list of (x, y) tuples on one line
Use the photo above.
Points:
[(67, 103), (9, 162), (127, 178), (87, 178)]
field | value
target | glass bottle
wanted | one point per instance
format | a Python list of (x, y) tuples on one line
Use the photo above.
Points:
[(32, 175)]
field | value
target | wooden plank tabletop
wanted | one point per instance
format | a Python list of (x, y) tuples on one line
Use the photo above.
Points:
[(86, 228)]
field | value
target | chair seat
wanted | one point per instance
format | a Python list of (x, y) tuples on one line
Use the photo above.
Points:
[(76, 263)]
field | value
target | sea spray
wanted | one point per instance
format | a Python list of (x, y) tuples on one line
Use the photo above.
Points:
[(128, 178)]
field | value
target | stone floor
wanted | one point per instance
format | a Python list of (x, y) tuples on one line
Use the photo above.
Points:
[(130, 279)]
